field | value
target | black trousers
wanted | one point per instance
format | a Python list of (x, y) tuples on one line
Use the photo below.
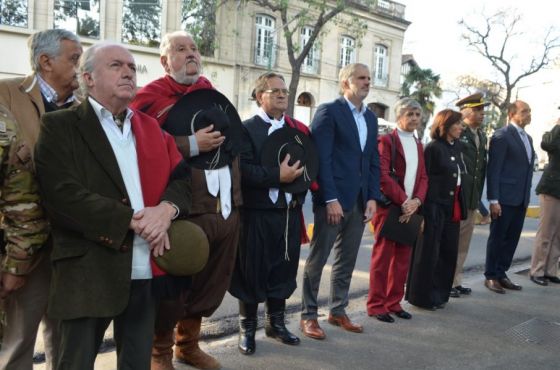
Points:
[(133, 334), (434, 258)]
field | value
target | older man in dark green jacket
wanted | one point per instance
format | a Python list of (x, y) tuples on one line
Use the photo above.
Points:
[(544, 264), (474, 155)]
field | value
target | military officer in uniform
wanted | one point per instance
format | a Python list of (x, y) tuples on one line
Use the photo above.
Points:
[(473, 149), (23, 223)]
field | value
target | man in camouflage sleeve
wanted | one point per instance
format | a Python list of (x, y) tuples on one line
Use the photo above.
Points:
[(54, 56), (23, 224)]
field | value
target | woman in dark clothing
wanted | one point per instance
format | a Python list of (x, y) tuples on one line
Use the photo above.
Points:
[(433, 262)]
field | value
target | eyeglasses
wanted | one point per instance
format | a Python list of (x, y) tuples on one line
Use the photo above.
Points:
[(277, 91)]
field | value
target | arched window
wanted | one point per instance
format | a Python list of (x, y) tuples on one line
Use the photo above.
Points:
[(305, 99), (381, 65), (311, 62), (265, 40), (347, 51)]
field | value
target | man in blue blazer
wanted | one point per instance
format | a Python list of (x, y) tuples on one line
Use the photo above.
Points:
[(345, 133), (510, 172)]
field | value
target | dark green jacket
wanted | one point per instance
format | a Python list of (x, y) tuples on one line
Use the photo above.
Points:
[(472, 181), (86, 199), (550, 180)]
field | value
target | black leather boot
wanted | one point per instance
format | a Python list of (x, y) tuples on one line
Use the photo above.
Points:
[(275, 326), (247, 328)]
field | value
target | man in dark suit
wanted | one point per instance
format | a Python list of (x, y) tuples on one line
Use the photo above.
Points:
[(345, 133), (510, 172), (104, 172)]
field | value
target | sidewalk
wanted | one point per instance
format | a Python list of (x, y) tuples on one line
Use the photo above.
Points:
[(518, 330), (460, 329)]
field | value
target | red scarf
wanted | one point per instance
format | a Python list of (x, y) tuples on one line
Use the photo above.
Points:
[(157, 156), (159, 96)]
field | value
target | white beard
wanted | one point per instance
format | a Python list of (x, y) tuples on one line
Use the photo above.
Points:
[(181, 76)]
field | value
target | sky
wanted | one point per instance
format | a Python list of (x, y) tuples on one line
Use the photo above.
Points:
[(434, 37)]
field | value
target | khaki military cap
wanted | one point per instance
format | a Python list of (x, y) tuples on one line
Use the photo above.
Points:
[(472, 101)]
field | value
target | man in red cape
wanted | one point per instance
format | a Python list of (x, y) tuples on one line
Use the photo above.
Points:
[(214, 209)]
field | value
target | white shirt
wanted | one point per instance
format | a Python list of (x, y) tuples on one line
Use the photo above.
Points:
[(525, 139), (274, 125), (124, 148), (410, 149), (360, 122)]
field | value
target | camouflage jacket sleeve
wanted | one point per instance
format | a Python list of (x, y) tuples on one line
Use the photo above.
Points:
[(24, 225)]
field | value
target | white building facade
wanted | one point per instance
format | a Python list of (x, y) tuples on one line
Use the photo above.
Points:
[(246, 41)]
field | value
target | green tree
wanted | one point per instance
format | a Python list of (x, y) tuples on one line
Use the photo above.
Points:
[(423, 86), (199, 19), (492, 36), (141, 23), (13, 12), (78, 10)]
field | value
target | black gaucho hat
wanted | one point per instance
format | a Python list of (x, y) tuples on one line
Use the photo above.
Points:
[(288, 140), (200, 109)]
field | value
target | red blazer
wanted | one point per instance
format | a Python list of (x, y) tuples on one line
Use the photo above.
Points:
[(395, 190)]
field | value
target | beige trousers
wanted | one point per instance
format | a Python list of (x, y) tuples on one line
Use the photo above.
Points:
[(465, 235), (25, 309), (547, 243)]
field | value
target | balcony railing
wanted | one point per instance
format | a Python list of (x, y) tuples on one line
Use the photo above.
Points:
[(386, 7), (391, 8)]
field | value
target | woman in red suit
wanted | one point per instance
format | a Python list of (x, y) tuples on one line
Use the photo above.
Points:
[(389, 259)]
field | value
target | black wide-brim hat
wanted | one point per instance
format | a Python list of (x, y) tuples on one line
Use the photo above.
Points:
[(200, 109), (288, 140)]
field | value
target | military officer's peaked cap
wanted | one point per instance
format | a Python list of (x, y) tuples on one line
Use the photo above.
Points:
[(472, 101)]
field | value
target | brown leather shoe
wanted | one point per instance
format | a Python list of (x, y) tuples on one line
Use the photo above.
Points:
[(508, 284), (494, 285), (311, 329), (344, 322)]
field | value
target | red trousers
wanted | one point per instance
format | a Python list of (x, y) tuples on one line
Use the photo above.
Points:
[(387, 273)]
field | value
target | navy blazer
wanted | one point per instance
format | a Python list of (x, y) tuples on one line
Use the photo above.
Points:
[(510, 173), (344, 170)]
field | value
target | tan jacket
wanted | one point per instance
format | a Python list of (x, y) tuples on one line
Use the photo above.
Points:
[(22, 96)]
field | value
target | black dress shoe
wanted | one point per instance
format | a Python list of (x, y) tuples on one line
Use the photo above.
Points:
[(454, 293), (403, 315), (440, 306), (540, 280), (463, 290), (553, 279), (508, 284), (385, 317)]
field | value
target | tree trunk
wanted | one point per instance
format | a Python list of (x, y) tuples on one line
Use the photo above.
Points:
[(293, 90)]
